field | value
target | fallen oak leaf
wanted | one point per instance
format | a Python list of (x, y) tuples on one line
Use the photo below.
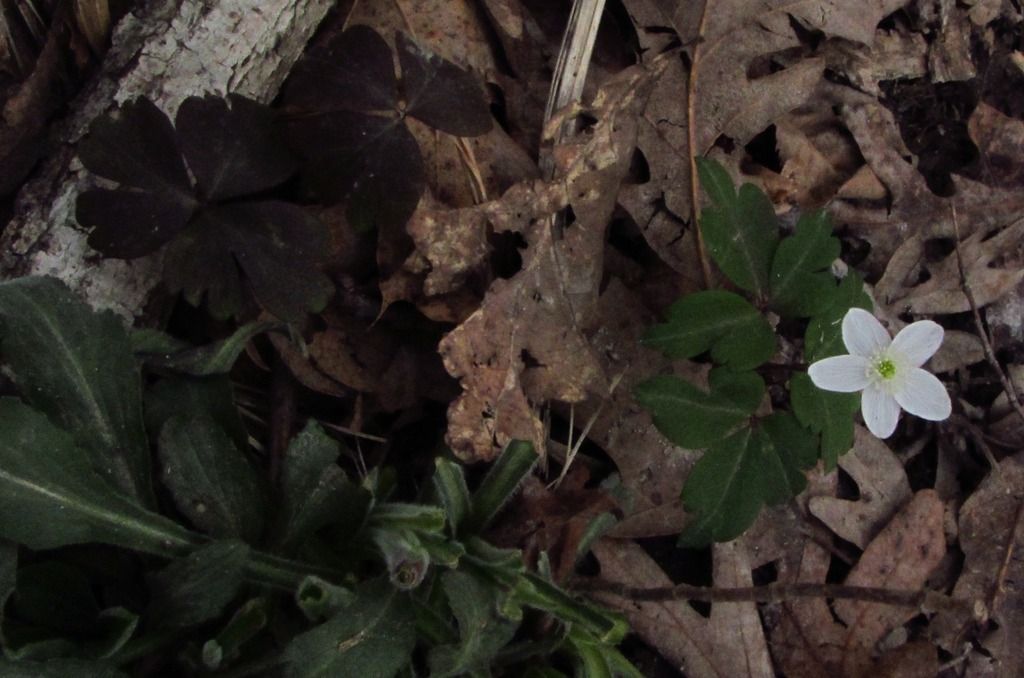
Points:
[(526, 343)]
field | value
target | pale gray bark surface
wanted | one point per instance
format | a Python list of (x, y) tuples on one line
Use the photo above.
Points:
[(166, 50)]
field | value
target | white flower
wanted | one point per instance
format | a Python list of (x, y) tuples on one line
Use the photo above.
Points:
[(887, 370)]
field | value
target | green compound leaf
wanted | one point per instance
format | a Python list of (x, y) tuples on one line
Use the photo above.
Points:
[(76, 367), (693, 419), (740, 229), (827, 413), (372, 637), (824, 335), (801, 284), (788, 451), (724, 322), (725, 489), (482, 631)]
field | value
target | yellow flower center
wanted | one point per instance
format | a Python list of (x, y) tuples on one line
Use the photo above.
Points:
[(885, 368)]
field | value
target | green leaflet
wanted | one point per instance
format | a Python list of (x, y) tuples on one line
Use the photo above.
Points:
[(372, 637), (76, 367), (827, 413), (801, 284), (724, 322), (693, 419), (506, 473), (216, 358), (824, 335), (724, 491), (789, 450), (740, 229)]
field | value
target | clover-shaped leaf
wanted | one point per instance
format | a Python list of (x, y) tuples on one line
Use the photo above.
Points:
[(217, 237), (346, 119), (724, 322), (800, 280)]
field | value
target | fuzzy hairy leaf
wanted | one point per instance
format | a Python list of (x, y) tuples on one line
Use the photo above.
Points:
[(725, 323), (372, 637), (59, 668), (51, 497), (76, 366), (211, 359), (801, 284), (211, 481), (827, 413), (482, 631), (502, 479), (740, 229), (198, 587), (691, 418), (315, 491)]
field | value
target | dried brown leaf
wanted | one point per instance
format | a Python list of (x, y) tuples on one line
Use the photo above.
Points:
[(900, 557), (882, 485), (730, 644), (526, 345), (992, 540)]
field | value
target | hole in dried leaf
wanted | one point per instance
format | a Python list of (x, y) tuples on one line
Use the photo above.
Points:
[(763, 150)]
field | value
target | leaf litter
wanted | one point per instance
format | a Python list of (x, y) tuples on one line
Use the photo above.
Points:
[(509, 306)]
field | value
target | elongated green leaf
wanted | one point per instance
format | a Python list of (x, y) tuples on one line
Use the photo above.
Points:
[(502, 479), (691, 418), (315, 491), (450, 485), (827, 413), (724, 491), (217, 358), (373, 637), (243, 626), (212, 482), (406, 558), (789, 450), (824, 335), (76, 367), (51, 497), (725, 323), (801, 284), (197, 588), (319, 598), (740, 229)]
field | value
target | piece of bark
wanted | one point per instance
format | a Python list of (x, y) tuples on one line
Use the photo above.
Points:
[(166, 50)]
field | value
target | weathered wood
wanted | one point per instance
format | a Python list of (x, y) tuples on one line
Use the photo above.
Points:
[(166, 50)]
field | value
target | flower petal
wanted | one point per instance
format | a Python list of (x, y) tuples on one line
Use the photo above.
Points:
[(843, 373), (880, 410), (863, 334), (922, 394), (916, 343)]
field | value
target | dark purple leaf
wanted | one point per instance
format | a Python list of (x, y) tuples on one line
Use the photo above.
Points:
[(440, 93), (354, 70), (231, 151), (371, 162), (197, 264), (130, 223), (277, 246), (136, 146)]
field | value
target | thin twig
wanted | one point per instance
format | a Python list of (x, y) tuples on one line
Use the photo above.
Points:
[(779, 592), (574, 449), (990, 354), (1011, 544), (352, 432), (691, 139)]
